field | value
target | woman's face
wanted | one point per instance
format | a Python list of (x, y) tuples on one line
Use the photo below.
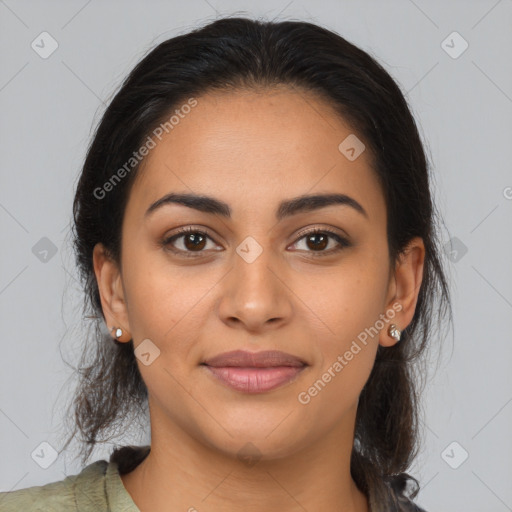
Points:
[(255, 281)]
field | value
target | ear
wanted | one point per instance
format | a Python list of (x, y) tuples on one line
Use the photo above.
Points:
[(111, 292), (404, 288)]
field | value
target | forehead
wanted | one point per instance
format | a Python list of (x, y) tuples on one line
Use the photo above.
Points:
[(252, 149)]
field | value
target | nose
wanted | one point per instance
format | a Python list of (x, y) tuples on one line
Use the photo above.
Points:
[(254, 294)]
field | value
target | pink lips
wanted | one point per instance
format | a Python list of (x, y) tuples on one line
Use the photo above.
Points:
[(255, 372)]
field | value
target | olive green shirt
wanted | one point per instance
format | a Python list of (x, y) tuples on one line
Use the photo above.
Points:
[(97, 488)]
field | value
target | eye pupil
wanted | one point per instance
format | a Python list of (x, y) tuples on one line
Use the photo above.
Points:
[(195, 239), (324, 242)]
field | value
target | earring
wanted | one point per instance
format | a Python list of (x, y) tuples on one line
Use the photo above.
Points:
[(119, 332), (394, 332)]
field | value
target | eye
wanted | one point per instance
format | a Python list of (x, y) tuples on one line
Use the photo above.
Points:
[(187, 241), (190, 240), (316, 241)]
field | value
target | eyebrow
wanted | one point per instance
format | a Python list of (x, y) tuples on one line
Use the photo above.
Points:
[(287, 208)]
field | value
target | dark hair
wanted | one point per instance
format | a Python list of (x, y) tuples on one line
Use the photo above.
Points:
[(238, 53)]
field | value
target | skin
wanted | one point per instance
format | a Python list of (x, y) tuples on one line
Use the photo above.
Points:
[(253, 150)]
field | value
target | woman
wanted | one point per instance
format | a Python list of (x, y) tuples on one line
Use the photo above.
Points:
[(255, 229)]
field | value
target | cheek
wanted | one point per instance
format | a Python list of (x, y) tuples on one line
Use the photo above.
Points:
[(166, 307), (166, 303), (347, 299), (343, 308), (345, 349)]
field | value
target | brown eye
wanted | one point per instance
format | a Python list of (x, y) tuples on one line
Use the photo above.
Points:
[(187, 242), (193, 241), (317, 240)]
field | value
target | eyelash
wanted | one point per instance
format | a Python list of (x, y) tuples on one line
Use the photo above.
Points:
[(344, 243)]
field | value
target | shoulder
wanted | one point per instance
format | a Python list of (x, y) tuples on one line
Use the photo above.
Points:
[(84, 491), (97, 488)]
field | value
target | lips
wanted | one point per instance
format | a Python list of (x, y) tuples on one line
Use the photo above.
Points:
[(265, 359), (255, 372)]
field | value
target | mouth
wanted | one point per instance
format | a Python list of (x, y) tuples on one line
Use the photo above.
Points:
[(255, 372), (255, 380)]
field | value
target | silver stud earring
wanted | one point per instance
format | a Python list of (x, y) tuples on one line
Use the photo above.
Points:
[(394, 332), (119, 332)]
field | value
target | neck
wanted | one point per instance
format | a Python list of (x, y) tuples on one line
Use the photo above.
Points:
[(181, 473)]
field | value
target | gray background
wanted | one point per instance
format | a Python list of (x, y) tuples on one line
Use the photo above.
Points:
[(464, 108)]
